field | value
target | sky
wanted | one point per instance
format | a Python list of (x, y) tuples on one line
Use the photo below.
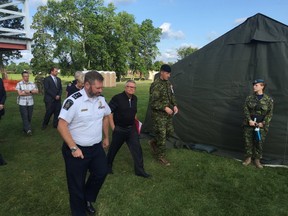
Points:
[(190, 22)]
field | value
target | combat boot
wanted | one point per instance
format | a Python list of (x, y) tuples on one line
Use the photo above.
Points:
[(247, 161), (152, 144), (163, 161), (258, 164)]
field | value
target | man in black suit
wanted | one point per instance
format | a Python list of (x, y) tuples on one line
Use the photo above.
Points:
[(2, 98), (2, 102), (52, 97)]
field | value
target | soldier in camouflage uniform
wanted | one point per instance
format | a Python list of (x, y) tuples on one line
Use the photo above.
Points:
[(163, 107), (258, 110)]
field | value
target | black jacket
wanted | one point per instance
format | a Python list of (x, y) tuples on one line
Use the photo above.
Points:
[(51, 90), (2, 96)]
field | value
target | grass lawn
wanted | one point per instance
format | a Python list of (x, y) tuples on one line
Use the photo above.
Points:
[(33, 183)]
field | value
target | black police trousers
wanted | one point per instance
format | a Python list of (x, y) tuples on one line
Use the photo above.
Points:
[(80, 189)]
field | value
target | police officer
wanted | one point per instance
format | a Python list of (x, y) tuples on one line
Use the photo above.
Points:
[(163, 107), (81, 120), (258, 110), (122, 121)]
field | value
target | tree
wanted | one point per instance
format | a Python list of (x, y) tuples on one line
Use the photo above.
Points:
[(84, 34), (145, 47), (15, 23), (42, 49), (157, 65), (185, 51)]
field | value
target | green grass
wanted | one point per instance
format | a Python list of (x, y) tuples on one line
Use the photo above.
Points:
[(34, 183)]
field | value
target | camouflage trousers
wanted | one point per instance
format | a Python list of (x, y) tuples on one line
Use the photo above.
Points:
[(253, 148), (162, 129)]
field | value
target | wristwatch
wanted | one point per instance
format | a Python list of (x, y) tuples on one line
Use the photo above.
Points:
[(73, 149)]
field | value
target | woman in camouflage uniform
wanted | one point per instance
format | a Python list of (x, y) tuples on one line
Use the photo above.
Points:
[(258, 110)]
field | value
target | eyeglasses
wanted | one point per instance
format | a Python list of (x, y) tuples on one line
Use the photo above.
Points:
[(132, 87)]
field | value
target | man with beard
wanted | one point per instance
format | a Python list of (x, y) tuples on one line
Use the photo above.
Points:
[(81, 120)]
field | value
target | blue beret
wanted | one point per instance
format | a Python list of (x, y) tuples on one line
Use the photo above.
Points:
[(166, 68), (258, 81)]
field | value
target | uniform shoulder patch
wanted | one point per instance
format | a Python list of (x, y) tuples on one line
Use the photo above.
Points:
[(68, 104), (77, 95)]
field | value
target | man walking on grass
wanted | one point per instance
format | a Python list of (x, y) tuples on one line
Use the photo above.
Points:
[(163, 107), (26, 89), (82, 118)]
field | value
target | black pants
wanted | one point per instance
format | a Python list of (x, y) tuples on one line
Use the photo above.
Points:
[(80, 189), (131, 137), (54, 108)]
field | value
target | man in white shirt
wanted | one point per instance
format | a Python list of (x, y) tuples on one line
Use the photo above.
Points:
[(82, 118), (26, 90)]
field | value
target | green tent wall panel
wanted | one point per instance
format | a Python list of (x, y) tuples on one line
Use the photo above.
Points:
[(212, 83)]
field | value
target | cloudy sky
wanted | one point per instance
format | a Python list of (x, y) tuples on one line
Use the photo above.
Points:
[(192, 22)]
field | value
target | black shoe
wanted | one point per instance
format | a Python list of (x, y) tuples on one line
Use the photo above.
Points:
[(89, 208), (110, 171), (144, 175), (44, 127), (2, 161)]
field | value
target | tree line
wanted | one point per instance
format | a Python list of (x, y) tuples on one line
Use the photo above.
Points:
[(86, 34)]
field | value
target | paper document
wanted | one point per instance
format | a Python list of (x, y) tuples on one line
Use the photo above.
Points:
[(138, 125)]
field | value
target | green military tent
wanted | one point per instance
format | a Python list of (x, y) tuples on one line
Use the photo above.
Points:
[(212, 83)]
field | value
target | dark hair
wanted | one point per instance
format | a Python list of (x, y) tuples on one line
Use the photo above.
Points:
[(264, 86), (24, 72), (52, 69), (93, 75)]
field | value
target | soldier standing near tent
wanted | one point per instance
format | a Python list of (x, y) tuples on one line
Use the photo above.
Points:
[(163, 107), (258, 110)]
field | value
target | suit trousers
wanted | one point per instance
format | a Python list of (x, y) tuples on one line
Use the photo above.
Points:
[(54, 108), (131, 137), (80, 189)]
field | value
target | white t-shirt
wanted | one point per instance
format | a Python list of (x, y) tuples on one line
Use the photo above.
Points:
[(85, 117)]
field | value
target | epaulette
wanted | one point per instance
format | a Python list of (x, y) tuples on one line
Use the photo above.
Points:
[(68, 104), (76, 95)]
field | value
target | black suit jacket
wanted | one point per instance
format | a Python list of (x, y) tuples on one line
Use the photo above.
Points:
[(2, 96), (51, 90)]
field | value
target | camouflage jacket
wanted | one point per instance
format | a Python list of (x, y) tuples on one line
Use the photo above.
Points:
[(161, 95), (262, 109)]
